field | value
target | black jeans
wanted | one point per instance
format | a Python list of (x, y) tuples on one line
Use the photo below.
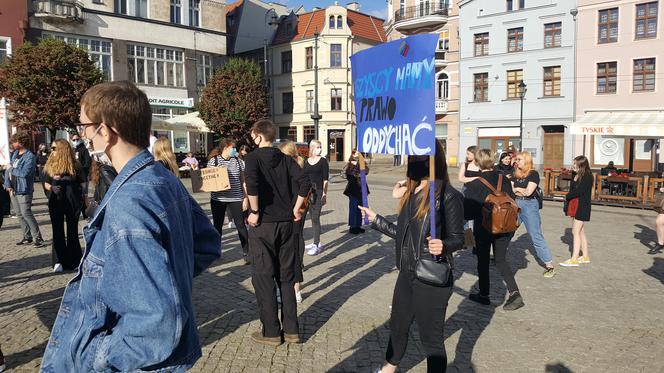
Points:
[(67, 248), (426, 304), (500, 242), (218, 214), (272, 252), (298, 228), (314, 210)]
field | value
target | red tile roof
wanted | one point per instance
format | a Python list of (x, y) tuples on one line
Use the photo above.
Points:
[(231, 7), (361, 25)]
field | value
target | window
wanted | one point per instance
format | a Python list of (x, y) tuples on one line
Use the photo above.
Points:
[(332, 24), (176, 11), (309, 133), (180, 141), (646, 20), (522, 4), (288, 133), (515, 39), (204, 69), (310, 101), (607, 79), (644, 75), (552, 81), (607, 27), (509, 5), (481, 87), (286, 62), (99, 51), (4, 49), (155, 66), (442, 86), (552, 34), (514, 78), (309, 58), (335, 101), (482, 44), (136, 8), (287, 102), (340, 22), (195, 13), (335, 55), (402, 7)]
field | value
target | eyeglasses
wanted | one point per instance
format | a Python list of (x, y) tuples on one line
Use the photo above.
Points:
[(80, 127)]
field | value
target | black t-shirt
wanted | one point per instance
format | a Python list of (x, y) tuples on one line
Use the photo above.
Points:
[(317, 173), (523, 183)]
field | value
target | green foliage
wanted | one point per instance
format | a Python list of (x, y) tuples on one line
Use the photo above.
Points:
[(44, 84), (234, 99)]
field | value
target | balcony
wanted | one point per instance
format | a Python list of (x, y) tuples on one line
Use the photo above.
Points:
[(441, 106), (441, 57), (427, 14), (58, 10)]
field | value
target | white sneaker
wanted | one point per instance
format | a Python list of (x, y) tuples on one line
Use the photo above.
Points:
[(57, 268), (310, 246), (298, 297), (313, 251)]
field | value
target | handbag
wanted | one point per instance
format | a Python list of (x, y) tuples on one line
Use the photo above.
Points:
[(572, 207), (539, 195), (433, 271)]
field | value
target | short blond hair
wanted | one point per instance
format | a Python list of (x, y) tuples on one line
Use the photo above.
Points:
[(484, 159)]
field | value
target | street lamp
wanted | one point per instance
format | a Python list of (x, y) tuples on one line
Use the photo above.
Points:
[(273, 21), (316, 115), (522, 94)]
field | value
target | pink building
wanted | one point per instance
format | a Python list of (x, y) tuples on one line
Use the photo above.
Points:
[(620, 83)]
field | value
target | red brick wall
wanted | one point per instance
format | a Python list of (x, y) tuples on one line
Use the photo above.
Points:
[(14, 20)]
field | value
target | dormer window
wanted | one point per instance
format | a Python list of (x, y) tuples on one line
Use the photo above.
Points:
[(332, 22), (340, 21)]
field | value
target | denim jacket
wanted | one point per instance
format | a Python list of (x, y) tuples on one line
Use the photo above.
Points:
[(130, 305), (23, 173)]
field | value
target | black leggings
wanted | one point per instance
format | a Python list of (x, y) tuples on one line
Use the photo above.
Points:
[(426, 304), (218, 214), (483, 242), (67, 247), (315, 210)]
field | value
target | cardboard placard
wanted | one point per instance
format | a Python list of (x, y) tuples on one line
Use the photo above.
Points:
[(211, 179)]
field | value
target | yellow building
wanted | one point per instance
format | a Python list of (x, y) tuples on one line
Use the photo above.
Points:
[(342, 31)]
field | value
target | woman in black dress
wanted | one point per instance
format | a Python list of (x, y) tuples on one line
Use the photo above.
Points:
[(354, 192), (581, 190)]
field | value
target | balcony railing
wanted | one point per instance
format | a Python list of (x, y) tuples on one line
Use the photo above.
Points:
[(433, 8), (441, 105), (64, 10)]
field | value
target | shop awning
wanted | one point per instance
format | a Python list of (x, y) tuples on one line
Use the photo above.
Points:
[(643, 124), (188, 122)]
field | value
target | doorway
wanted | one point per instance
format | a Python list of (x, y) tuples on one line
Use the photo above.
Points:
[(336, 145), (554, 147)]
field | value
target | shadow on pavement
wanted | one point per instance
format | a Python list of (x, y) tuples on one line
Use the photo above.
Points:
[(647, 236), (657, 269), (568, 240), (557, 368)]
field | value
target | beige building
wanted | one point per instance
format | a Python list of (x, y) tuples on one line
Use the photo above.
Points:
[(342, 32), (409, 17), (168, 48), (620, 83)]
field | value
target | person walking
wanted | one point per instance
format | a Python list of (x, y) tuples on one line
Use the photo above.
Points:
[(414, 299), (354, 192), (163, 153), (579, 195), (85, 161), (20, 183), (233, 200), (474, 198), (271, 177), (524, 184), (290, 149), (130, 307), (64, 180), (318, 170)]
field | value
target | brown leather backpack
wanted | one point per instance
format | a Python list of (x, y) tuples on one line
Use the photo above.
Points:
[(500, 213)]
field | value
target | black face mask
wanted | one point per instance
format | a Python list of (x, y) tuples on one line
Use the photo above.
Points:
[(418, 167)]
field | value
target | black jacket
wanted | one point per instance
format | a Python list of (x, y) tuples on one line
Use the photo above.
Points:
[(582, 190), (83, 157), (354, 184), (269, 174), (476, 193), (449, 228)]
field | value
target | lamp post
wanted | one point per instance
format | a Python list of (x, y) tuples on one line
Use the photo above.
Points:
[(574, 12), (316, 115), (522, 94), (273, 21)]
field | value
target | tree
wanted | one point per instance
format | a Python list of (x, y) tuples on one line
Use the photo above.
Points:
[(234, 99), (44, 83)]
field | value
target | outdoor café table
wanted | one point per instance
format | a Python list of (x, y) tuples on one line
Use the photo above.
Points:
[(619, 186)]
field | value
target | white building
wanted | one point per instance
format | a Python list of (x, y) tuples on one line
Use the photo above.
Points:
[(503, 43)]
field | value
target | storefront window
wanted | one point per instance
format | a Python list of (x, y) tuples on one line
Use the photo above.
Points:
[(180, 141)]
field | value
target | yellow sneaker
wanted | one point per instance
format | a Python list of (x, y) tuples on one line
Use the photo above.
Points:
[(570, 263), (584, 260)]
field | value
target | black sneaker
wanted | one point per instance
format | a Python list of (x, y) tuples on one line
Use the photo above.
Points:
[(39, 242), (24, 241), (514, 302), (481, 299), (656, 250)]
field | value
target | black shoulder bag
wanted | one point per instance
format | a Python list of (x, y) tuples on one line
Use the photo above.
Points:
[(433, 270)]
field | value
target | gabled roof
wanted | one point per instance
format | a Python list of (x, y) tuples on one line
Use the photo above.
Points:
[(231, 7), (305, 25)]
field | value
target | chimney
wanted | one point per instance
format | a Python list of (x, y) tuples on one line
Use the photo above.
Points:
[(315, 8), (353, 6)]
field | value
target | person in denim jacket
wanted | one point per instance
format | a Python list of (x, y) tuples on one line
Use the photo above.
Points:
[(130, 305)]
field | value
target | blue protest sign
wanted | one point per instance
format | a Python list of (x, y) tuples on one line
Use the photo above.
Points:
[(394, 96)]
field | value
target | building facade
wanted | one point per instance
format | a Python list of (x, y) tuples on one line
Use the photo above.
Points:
[(620, 64), (505, 43), (13, 25), (168, 48), (410, 17), (292, 58)]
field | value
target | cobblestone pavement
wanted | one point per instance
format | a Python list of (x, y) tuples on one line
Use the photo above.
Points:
[(604, 317)]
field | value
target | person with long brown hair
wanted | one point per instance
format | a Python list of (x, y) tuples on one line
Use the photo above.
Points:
[(469, 169), (63, 178), (524, 184), (354, 191), (163, 153), (580, 193), (414, 299)]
